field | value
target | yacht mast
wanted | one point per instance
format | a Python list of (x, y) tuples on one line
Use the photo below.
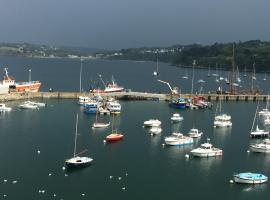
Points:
[(75, 140), (193, 65), (81, 76), (232, 78)]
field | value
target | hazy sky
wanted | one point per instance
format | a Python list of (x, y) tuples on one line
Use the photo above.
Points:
[(115, 24)]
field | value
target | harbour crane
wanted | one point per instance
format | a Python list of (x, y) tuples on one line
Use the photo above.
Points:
[(174, 91)]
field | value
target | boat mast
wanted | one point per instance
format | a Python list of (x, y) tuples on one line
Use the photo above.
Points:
[(157, 63), (255, 117), (29, 75), (253, 77), (81, 76), (102, 80), (193, 65), (75, 140), (232, 78)]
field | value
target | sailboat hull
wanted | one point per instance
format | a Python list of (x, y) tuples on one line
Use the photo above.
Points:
[(114, 137), (78, 162)]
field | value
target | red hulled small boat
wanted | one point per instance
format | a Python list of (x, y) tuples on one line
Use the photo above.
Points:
[(114, 137)]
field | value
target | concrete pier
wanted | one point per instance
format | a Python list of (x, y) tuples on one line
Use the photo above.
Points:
[(127, 96)]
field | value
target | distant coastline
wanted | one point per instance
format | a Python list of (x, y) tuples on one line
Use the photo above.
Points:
[(216, 56)]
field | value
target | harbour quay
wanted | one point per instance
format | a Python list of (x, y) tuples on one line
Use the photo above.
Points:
[(128, 95)]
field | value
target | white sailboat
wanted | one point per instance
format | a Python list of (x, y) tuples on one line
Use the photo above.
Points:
[(156, 73), (257, 133), (264, 76), (97, 124), (221, 119), (77, 161)]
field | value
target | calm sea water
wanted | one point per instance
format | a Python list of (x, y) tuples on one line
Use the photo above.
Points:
[(139, 163)]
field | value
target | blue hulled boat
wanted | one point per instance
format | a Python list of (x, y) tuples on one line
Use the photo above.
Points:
[(180, 103)]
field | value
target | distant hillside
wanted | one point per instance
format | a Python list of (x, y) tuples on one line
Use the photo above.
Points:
[(44, 51), (218, 54)]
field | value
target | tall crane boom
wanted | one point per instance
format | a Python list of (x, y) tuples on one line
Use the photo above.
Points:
[(173, 91)]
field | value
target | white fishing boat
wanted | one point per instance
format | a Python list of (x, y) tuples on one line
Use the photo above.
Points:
[(77, 161), (195, 133), (262, 147), (155, 130), (177, 117), (151, 123), (250, 178), (206, 150), (4, 108), (178, 139)]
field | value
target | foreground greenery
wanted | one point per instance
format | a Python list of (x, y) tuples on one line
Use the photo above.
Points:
[(219, 54)]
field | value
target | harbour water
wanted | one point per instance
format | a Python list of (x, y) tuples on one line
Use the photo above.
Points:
[(35, 143)]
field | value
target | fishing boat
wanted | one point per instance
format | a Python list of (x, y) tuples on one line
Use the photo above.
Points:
[(115, 135), (178, 139), (195, 133), (29, 86), (91, 107), (151, 123), (250, 178), (109, 88), (180, 103), (155, 130), (206, 150), (4, 108), (77, 161), (176, 117), (262, 147)]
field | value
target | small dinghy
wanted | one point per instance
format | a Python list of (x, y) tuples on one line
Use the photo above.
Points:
[(250, 178)]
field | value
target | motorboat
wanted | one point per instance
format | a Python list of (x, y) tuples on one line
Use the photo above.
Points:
[(77, 161), (91, 107), (206, 150), (38, 104), (259, 133), (250, 178), (83, 100), (176, 117), (223, 117), (3, 108), (151, 123), (178, 139), (100, 125), (195, 133), (263, 147), (267, 120), (155, 130), (222, 123), (27, 105), (114, 107), (264, 112)]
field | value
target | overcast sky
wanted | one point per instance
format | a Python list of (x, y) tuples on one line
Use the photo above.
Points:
[(115, 24)]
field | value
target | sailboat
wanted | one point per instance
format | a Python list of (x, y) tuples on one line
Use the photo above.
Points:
[(208, 74), (97, 124), (115, 135), (186, 75), (264, 76), (222, 119), (238, 79), (77, 161), (156, 73), (257, 133), (245, 72)]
